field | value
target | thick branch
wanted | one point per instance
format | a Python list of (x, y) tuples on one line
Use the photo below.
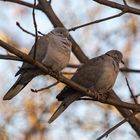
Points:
[(116, 126), (96, 21), (15, 58), (62, 79), (119, 6)]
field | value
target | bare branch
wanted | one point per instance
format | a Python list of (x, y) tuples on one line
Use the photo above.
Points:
[(96, 21), (38, 90), (132, 94), (24, 30), (129, 70), (15, 58), (10, 57), (116, 126), (133, 121), (36, 33), (121, 7), (62, 79), (124, 1), (41, 33), (113, 102)]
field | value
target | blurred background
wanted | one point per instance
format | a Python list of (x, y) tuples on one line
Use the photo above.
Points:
[(25, 116)]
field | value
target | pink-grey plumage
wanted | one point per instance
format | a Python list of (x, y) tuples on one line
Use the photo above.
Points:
[(98, 74), (53, 50)]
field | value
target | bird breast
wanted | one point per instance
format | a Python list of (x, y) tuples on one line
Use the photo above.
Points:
[(108, 77), (58, 53)]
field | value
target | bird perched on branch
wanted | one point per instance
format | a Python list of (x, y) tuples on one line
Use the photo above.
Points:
[(53, 50), (97, 74)]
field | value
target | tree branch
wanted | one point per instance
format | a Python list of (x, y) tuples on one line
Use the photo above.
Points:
[(96, 21), (121, 7), (133, 121), (21, 3), (116, 126), (35, 26), (132, 94), (38, 90), (62, 79)]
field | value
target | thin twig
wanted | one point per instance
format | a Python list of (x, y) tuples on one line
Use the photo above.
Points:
[(124, 1), (17, 23), (15, 58), (10, 57), (36, 33), (129, 70), (104, 2), (121, 7), (136, 95), (68, 73), (50, 1), (38, 90), (41, 33), (113, 102), (96, 21), (116, 126), (132, 94)]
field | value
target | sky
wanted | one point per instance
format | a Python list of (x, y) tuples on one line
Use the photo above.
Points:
[(71, 13)]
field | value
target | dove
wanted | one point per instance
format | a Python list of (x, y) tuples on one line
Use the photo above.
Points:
[(53, 50), (97, 74)]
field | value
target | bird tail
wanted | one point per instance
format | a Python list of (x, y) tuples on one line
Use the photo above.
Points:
[(66, 102), (15, 89)]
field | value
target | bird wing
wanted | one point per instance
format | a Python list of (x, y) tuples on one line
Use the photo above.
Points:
[(87, 75), (63, 106), (41, 50)]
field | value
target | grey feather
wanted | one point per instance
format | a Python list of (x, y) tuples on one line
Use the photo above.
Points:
[(97, 74), (53, 50)]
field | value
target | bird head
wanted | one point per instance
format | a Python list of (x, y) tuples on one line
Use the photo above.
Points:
[(116, 55), (60, 31)]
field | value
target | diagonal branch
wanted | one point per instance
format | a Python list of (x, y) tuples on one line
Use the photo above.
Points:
[(96, 21), (133, 121), (132, 94), (24, 30), (62, 79), (116, 126), (15, 58), (21, 3), (121, 7), (48, 87)]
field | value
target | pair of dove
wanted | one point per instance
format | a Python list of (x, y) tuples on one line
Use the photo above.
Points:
[(53, 50)]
